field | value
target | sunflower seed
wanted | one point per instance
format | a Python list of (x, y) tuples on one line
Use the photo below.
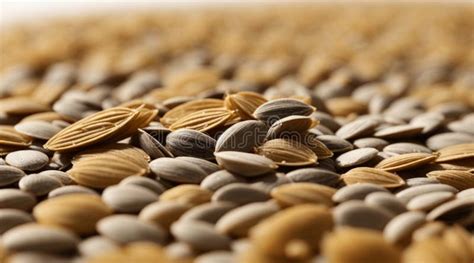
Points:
[(386, 201), (408, 194), (16, 199), (245, 164), (245, 103), (177, 170), (302, 193), (428, 201), (405, 147), (371, 142), (356, 157), (461, 180), (400, 229), (456, 211), (240, 194), (37, 129), (357, 129), (374, 176), (187, 194), (27, 160), (335, 144), (192, 143), (96, 245), (128, 198), (242, 137), (405, 161), (144, 182), (219, 179), (39, 184), (357, 214), (149, 145), (275, 110), (287, 152), (59, 175), (10, 175), (290, 124), (70, 189), (207, 166), (356, 192), (442, 140), (199, 235), (209, 213), (125, 229)]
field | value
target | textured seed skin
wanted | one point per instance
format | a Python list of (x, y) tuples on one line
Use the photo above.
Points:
[(9, 175), (186, 142), (245, 164), (314, 175), (243, 136), (177, 170), (27, 160), (356, 157), (274, 110)]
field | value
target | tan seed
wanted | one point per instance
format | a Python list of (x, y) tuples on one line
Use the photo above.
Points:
[(244, 103), (245, 164), (164, 213), (455, 152), (406, 161), (287, 152), (190, 107), (203, 120), (302, 193), (461, 180), (9, 136), (372, 175), (187, 194)]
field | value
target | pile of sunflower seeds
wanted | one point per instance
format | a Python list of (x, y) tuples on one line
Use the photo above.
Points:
[(308, 134)]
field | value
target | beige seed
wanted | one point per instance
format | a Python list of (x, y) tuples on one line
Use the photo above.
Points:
[(71, 189), (219, 179), (356, 192), (27, 160), (37, 129), (96, 245), (10, 175), (199, 235), (189, 107), (39, 184), (357, 214), (125, 229), (77, 212), (187, 194), (210, 212), (287, 152), (16, 199), (400, 229), (456, 152), (203, 120), (357, 128), (356, 157), (244, 103), (128, 198), (240, 194), (456, 211), (10, 218), (428, 201), (399, 131), (408, 194), (245, 164), (461, 180), (163, 213), (386, 201), (177, 170)]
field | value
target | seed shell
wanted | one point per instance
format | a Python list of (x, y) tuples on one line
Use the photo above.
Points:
[(373, 176), (287, 152)]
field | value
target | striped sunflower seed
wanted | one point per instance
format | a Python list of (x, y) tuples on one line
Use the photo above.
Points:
[(399, 131), (10, 175), (371, 142), (245, 164), (275, 110), (77, 212), (314, 175), (244, 103), (208, 166), (125, 229), (301, 227), (405, 147), (335, 144), (203, 120), (177, 170), (456, 152), (294, 123), (242, 137), (461, 180), (373, 176), (240, 220), (406, 161), (108, 165), (108, 125), (186, 142), (302, 193), (189, 107), (287, 152), (310, 140), (356, 157), (149, 145), (37, 129)]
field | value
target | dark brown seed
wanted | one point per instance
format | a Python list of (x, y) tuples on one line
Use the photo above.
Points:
[(275, 110)]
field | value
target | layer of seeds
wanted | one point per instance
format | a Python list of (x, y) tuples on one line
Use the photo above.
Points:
[(295, 134)]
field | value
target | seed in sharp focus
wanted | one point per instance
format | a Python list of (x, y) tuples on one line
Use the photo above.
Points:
[(245, 164), (176, 170), (245, 103), (203, 120), (192, 143), (335, 144), (149, 145), (242, 137), (287, 152), (406, 161), (356, 157), (290, 124), (27, 160), (275, 110)]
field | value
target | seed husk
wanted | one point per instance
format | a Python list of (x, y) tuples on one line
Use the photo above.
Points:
[(356, 157), (187, 194), (244, 103), (242, 137), (176, 170), (203, 120), (128, 198), (275, 110), (461, 180), (303, 224), (149, 145), (125, 229), (456, 152), (186, 142), (371, 142), (335, 144), (240, 220), (189, 107), (208, 166), (163, 213), (240, 194), (219, 179), (200, 235), (10, 175), (111, 124), (77, 212), (406, 161), (302, 193), (287, 152), (399, 131), (310, 140), (405, 147), (359, 245), (108, 165), (314, 175), (144, 182), (245, 164), (373, 176)]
